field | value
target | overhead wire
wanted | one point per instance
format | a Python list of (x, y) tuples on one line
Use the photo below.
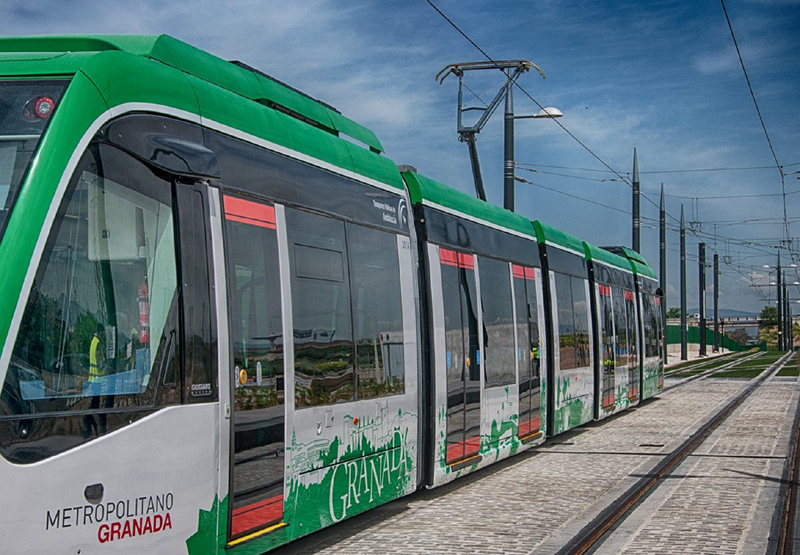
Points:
[(623, 178), (760, 117)]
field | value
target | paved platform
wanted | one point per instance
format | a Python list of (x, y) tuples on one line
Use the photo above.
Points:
[(720, 500)]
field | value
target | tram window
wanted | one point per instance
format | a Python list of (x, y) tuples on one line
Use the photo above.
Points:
[(573, 325), (581, 311), (99, 329), (323, 338), (255, 304), (633, 334), (528, 353), (609, 360), (650, 326), (462, 354), (377, 312), (623, 327), (498, 322)]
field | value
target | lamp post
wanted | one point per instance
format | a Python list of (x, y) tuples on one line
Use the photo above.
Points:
[(508, 165), (512, 70)]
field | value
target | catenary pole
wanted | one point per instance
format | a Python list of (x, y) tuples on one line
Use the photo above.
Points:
[(635, 210), (508, 169), (662, 266), (716, 303), (684, 355), (701, 254)]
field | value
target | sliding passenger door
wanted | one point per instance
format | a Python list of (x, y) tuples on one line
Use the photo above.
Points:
[(529, 352), (258, 417), (463, 355)]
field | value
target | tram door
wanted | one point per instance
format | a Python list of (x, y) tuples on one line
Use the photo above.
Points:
[(529, 352), (463, 355), (257, 467)]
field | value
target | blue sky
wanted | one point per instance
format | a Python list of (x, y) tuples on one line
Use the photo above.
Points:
[(663, 77)]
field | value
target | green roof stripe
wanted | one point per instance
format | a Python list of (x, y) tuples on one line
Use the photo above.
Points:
[(428, 192), (642, 269), (556, 237), (597, 254)]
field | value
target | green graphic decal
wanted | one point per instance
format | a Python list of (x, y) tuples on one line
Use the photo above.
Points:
[(365, 466), (571, 410), (369, 462), (205, 541)]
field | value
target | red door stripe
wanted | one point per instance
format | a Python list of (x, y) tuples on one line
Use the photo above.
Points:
[(249, 212)]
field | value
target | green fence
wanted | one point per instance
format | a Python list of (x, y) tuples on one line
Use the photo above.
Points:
[(693, 336)]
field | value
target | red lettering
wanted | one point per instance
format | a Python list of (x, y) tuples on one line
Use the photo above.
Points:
[(114, 531), (133, 527)]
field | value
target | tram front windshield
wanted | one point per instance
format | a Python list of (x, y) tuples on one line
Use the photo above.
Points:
[(26, 106)]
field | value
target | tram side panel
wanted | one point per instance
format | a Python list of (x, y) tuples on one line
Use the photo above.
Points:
[(615, 355), (570, 371), (653, 363), (484, 317), (334, 349)]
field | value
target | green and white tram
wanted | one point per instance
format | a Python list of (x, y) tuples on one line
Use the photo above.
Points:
[(229, 320)]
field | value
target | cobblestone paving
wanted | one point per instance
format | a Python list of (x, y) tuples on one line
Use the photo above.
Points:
[(535, 502), (721, 499)]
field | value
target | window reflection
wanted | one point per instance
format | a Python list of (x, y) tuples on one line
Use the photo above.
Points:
[(101, 317), (347, 310)]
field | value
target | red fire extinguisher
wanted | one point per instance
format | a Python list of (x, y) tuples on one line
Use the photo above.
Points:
[(144, 313)]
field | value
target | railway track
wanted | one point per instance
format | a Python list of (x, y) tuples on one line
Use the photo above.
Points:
[(595, 533), (694, 365)]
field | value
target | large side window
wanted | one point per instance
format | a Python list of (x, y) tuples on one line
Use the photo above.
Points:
[(573, 326), (377, 312), (623, 326), (347, 310), (581, 311), (323, 336), (98, 336), (651, 331), (498, 322)]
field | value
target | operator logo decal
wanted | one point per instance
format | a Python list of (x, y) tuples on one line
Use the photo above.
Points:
[(116, 520), (402, 211)]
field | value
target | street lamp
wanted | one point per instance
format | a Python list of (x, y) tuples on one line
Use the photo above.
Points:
[(512, 70)]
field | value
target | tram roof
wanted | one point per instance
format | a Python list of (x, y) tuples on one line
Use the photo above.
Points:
[(637, 261), (558, 238), (428, 192), (66, 54), (598, 254)]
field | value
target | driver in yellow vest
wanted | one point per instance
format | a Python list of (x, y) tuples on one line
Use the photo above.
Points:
[(90, 425), (95, 359)]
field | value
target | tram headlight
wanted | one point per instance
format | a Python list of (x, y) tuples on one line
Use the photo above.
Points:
[(38, 108)]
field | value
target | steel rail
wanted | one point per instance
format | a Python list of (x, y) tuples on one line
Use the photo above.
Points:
[(602, 524), (781, 538)]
